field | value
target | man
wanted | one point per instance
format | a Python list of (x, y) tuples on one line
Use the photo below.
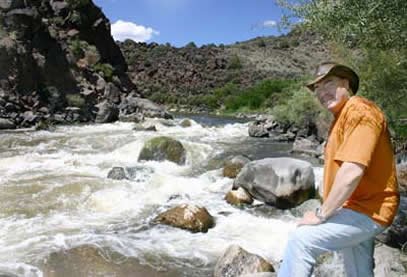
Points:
[(360, 189)]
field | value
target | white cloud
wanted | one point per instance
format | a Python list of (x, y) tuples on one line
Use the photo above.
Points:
[(269, 23), (122, 30)]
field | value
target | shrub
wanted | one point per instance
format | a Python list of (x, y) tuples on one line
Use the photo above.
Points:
[(78, 3), (75, 100), (106, 69), (261, 43), (300, 109), (191, 44), (234, 62)]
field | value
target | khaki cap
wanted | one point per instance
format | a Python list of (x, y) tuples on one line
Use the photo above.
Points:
[(331, 68)]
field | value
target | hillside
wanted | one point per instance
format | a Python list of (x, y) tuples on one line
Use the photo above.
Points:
[(162, 72)]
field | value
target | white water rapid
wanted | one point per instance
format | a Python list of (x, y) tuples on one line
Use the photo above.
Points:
[(55, 195)]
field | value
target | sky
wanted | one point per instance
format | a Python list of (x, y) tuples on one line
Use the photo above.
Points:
[(182, 21)]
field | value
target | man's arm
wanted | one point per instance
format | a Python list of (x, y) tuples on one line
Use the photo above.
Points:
[(346, 181)]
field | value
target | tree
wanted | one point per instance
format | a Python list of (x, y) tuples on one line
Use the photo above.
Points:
[(370, 36)]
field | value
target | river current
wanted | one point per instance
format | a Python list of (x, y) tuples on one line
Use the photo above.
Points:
[(55, 195)]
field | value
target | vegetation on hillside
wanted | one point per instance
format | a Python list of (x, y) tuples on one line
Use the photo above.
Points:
[(371, 37)]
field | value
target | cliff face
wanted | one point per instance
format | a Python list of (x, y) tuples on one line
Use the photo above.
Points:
[(189, 70), (57, 62)]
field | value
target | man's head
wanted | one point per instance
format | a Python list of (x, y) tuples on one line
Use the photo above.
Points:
[(333, 84)]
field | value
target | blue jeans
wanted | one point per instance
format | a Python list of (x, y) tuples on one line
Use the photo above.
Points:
[(351, 232)]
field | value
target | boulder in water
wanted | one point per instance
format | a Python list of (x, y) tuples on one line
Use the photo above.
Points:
[(187, 216), (236, 262), (163, 148), (282, 182), (239, 197)]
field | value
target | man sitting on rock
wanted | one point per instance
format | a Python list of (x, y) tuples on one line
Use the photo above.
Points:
[(360, 189)]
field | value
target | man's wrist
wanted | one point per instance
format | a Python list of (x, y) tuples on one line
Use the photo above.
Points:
[(319, 215)]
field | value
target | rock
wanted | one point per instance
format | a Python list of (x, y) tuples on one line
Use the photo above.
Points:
[(163, 148), (112, 93), (185, 123), (117, 173), (307, 146), (309, 205), (87, 260), (388, 262), (234, 165), (402, 178), (396, 234), (188, 217), (107, 113), (6, 124), (236, 262), (149, 109), (148, 127), (238, 197), (282, 182), (257, 129)]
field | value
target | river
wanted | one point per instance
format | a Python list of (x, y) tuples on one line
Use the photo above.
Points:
[(55, 196)]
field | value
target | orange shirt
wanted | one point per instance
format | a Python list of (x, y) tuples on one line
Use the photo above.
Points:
[(359, 134)]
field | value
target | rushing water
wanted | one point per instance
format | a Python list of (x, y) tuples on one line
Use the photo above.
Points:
[(55, 195)]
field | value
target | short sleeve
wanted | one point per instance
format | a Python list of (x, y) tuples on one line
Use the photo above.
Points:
[(361, 134)]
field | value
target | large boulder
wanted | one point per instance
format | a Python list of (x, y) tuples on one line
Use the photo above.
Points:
[(133, 104), (236, 262), (6, 124), (234, 165), (282, 182), (163, 148), (188, 217), (396, 234), (307, 146)]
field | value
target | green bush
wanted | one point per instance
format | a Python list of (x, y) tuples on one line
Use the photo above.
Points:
[(75, 100), (106, 69), (78, 3), (261, 43), (191, 44), (234, 62), (300, 109)]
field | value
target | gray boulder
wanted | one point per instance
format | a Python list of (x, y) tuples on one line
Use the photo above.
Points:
[(6, 124), (236, 262), (133, 104), (107, 113), (163, 148), (282, 182)]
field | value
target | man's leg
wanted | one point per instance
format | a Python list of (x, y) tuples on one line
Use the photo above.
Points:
[(358, 260), (345, 229)]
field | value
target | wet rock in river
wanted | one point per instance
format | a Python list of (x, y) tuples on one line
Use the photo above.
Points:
[(234, 165), (236, 262), (396, 234), (117, 173), (6, 124), (238, 197), (85, 261), (187, 216), (163, 148), (282, 182), (185, 123)]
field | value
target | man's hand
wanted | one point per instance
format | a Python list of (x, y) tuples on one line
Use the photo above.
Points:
[(309, 219)]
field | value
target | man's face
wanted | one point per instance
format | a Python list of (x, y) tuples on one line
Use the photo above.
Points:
[(332, 93)]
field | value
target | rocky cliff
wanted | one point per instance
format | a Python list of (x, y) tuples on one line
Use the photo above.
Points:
[(59, 63)]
